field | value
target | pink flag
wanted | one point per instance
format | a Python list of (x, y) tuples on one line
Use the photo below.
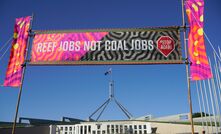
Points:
[(199, 69), (18, 51)]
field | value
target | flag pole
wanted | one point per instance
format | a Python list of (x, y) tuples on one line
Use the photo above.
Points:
[(22, 78), (187, 70)]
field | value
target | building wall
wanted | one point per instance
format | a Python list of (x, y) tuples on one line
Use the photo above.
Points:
[(27, 130), (167, 128), (108, 127)]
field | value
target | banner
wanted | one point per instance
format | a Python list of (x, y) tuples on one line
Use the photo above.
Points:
[(18, 51), (113, 46), (200, 68)]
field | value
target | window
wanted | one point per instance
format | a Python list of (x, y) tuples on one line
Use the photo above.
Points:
[(112, 126), (89, 129), (140, 132), (98, 126), (70, 128), (112, 131), (81, 129), (103, 132), (135, 132), (144, 127), (85, 129), (135, 126), (121, 129), (145, 131), (98, 132), (108, 129), (94, 132), (140, 127), (66, 128), (117, 128)]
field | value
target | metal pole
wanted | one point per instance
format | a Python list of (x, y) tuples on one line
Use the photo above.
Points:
[(207, 103), (103, 110), (212, 103), (204, 108), (187, 70), (218, 85), (215, 94), (22, 79), (198, 95)]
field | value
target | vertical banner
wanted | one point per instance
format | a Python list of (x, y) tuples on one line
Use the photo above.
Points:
[(18, 51), (200, 68)]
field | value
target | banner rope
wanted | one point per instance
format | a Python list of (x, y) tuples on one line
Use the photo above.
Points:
[(206, 36), (5, 52), (6, 43)]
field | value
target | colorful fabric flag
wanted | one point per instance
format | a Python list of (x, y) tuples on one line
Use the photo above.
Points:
[(199, 68), (18, 51)]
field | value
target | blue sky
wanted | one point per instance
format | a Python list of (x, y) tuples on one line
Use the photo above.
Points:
[(76, 91)]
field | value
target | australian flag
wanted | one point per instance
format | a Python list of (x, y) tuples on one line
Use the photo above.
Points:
[(108, 71)]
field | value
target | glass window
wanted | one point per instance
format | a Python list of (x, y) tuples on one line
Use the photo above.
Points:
[(112, 131), (117, 128), (94, 132), (66, 128), (112, 126), (89, 129), (135, 126), (98, 126), (140, 132), (85, 129), (121, 129), (140, 127), (81, 129), (145, 131), (144, 127)]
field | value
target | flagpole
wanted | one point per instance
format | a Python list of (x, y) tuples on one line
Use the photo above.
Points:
[(207, 104), (204, 108), (22, 78), (212, 103), (199, 101), (187, 70), (218, 85)]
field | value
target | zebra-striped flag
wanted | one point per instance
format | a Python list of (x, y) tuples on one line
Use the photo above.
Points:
[(108, 72)]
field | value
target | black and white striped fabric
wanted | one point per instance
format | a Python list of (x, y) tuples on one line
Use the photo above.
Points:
[(147, 56)]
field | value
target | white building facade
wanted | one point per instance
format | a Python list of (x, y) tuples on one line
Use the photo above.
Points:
[(103, 127)]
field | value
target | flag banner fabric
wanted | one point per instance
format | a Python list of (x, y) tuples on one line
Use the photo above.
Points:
[(199, 69), (18, 51), (110, 46)]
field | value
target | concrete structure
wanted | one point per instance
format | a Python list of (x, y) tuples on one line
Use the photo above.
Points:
[(129, 127), (172, 124), (104, 127)]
